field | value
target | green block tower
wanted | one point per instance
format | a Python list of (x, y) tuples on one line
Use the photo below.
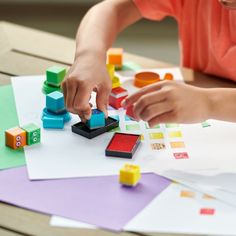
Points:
[(55, 75), (32, 134)]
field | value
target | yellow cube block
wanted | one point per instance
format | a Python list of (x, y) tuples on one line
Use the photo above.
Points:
[(130, 175), (111, 70), (115, 57), (116, 82)]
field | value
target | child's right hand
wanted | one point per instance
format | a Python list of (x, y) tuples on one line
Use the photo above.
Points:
[(88, 73)]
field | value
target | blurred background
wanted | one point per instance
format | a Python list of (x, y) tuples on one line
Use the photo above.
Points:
[(158, 40)]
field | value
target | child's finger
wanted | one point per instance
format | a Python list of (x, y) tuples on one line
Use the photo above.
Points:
[(167, 117), (148, 99), (81, 102), (134, 97), (70, 96), (102, 98), (154, 110), (64, 90)]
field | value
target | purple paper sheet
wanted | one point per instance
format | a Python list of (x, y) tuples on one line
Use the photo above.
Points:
[(100, 201)]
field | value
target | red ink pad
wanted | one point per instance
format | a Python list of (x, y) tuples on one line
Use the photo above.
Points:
[(181, 155), (123, 145), (207, 211)]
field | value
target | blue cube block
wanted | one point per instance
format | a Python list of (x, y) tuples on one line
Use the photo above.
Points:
[(97, 119), (53, 122), (55, 102)]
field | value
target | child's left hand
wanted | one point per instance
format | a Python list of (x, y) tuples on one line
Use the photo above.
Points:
[(168, 102)]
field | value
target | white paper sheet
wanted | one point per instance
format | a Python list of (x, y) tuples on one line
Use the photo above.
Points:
[(171, 213), (63, 154)]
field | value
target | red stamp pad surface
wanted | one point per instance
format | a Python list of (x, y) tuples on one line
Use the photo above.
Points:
[(123, 145)]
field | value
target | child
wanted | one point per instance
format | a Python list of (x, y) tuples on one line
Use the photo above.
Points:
[(207, 30)]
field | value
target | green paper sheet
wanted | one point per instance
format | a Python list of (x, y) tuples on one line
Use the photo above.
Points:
[(9, 158)]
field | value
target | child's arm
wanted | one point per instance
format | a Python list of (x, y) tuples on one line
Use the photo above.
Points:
[(95, 36), (168, 102)]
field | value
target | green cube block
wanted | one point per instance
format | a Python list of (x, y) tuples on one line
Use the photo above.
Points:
[(32, 134), (55, 75)]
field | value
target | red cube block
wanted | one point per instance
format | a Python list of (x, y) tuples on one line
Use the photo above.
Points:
[(117, 96), (130, 112)]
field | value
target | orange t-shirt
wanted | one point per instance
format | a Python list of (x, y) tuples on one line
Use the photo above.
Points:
[(207, 32)]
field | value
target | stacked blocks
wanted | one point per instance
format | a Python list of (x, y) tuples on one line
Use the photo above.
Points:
[(117, 96), (32, 134), (97, 119), (54, 77), (115, 80), (130, 175), (19, 137), (55, 115), (115, 57)]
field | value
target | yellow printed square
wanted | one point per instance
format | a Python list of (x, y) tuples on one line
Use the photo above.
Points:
[(175, 134), (130, 175), (156, 135), (187, 194), (177, 145)]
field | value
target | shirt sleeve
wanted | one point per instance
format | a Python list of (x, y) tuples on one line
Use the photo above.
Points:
[(159, 9)]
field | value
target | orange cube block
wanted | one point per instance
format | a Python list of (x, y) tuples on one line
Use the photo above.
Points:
[(168, 76), (15, 137), (115, 57)]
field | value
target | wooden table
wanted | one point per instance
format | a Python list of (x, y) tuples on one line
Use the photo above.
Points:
[(17, 221)]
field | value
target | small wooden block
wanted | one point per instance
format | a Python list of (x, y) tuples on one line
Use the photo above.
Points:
[(117, 96), (168, 76), (55, 75), (53, 122), (115, 57), (97, 119), (130, 175), (55, 102), (32, 134), (130, 112), (15, 138)]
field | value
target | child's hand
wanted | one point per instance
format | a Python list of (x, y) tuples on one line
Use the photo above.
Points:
[(87, 74), (168, 102)]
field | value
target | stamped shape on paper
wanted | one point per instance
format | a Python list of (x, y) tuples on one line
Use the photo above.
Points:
[(172, 125), (181, 155), (158, 146), (208, 197), (187, 194), (207, 211), (154, 127), (175, 134), (177, 144), (158, 135), (132, 127)]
